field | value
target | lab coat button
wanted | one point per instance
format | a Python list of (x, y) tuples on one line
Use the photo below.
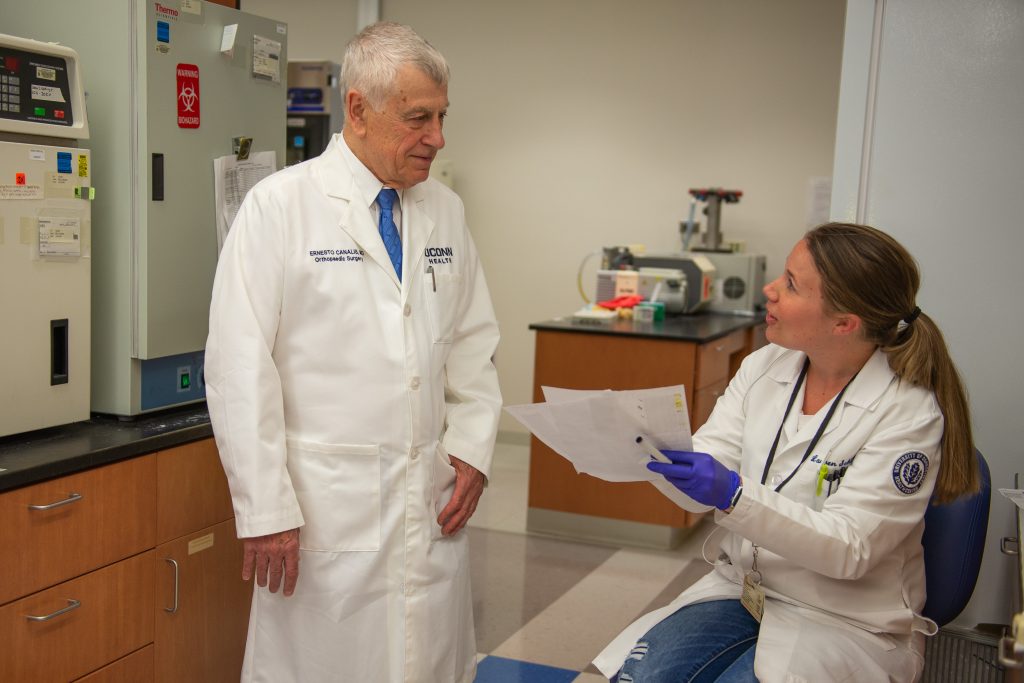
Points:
[(776, 479), (407, 310), (415, 453), (415, 383)]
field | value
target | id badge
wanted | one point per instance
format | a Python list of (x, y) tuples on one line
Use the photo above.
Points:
[(753, 595)]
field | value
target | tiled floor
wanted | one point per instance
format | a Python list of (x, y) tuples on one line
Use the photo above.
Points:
[(541, 605)]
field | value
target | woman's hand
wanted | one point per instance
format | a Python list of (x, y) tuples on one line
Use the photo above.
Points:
[(699, 476)]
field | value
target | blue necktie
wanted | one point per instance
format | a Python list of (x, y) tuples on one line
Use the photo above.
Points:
[(388, 231)]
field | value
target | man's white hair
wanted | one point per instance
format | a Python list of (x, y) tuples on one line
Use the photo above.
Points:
[(374, 57)]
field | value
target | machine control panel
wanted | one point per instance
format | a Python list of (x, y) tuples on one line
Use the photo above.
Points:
[(34, 87), (40, 89)]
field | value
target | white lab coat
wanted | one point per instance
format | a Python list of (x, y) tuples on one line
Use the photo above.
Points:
[(336, 394), (843, 573)]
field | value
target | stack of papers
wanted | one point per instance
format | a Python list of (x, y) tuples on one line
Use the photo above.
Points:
[(597, 430)]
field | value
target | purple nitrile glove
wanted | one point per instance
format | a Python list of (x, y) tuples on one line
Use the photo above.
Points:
[(699, 476)]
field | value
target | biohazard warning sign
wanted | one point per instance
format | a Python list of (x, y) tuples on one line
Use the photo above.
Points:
[(188, 96)]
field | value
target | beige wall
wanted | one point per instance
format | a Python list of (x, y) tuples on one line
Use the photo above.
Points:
[(317, 29), (581, 123)]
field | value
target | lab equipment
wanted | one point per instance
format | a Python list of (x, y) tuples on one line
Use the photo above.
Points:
[(698, 270), (315, 111), (616, 258), (713, 196), (171, 86), (45, 227), (605, 285), (643, 313), (664, 285), (627, 283), (739, 277), (739, 282)]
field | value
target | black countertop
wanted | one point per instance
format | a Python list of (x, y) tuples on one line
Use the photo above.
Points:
[(47, 453), (700, 328)]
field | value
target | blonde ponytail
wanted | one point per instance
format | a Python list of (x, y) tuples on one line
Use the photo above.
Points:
[(866, 272)]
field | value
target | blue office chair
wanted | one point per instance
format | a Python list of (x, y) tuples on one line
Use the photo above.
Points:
[(954, 540)]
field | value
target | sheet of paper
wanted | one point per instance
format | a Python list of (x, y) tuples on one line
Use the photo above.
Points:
[(1016, 495), (60, 236), (661, 412), (266, 58), (232, 179), (227, 39)]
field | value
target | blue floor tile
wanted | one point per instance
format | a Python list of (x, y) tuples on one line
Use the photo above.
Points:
[(501, 670)]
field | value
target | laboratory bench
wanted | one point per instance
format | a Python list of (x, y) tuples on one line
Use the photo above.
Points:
[(701, 352), (120, 557)]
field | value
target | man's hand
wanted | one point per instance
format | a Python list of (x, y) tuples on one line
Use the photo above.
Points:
[(273, 554), (469, 484)]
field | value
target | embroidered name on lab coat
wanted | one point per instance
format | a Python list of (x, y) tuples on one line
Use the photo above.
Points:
[(336, 255), (439, 255)]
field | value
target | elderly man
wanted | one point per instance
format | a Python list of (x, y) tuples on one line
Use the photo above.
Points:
[(352, 391)]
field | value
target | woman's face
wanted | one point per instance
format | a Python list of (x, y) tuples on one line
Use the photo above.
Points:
[(796, 315)]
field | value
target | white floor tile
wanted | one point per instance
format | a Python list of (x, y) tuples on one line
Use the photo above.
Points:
[(577, 626)]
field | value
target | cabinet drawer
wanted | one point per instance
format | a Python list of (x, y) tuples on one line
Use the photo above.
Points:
[(59, 529), (135, 668), (192, 490), (111, 616), (713, 358), (704, 402)]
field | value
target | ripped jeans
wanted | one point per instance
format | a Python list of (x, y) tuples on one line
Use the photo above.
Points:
[(710, 642)]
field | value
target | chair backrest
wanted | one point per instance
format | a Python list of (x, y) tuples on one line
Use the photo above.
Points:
[(954, 541)]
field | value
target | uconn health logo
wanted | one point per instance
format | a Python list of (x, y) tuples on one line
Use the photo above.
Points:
[(909, 470), (439, 255)]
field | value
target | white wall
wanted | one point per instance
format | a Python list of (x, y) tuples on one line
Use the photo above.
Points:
[(582, 123), (317, 29), (935, 155)]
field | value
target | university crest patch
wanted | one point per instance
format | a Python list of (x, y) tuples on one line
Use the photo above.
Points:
[(909, 471)]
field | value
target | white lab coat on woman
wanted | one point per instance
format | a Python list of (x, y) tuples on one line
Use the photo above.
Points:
[(842, 563), (336, 394)]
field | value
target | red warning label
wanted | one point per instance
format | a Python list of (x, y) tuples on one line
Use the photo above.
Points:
[(188, 96)]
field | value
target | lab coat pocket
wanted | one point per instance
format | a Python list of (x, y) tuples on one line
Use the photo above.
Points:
[(338, 489), (443, 486), (442, 291)]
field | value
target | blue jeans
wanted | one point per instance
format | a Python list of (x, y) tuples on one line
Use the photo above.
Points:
[(710, 642)]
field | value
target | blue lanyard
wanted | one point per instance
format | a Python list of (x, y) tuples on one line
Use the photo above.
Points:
[(817, 435)]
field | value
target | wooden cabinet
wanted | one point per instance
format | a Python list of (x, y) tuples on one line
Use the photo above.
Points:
[(88, 585), (582, 360), (78, 626), (202, 604), (49, 530)]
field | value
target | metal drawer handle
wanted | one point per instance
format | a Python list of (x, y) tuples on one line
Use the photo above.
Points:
[(1009, 545), (173, 609), (74, 497), (72, 604)]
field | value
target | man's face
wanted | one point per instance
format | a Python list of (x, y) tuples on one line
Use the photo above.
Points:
[(400, 141)]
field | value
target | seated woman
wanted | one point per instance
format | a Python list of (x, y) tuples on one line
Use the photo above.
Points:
[(821, 459)]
